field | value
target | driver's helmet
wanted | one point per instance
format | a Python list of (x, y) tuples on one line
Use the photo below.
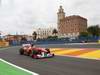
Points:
[(32, 45)]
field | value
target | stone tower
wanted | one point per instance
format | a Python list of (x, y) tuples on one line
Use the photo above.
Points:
[(61, 14)]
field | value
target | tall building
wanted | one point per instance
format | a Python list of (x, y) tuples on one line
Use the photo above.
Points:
[(70, 26)]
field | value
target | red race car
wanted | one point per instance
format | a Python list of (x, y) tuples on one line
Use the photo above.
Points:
[(34, 52)]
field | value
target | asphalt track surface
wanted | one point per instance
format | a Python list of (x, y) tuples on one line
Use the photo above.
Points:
[(59, 65)]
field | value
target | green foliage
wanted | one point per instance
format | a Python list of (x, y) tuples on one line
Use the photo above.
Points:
[(94, 30), (23, 39), (52, 37)]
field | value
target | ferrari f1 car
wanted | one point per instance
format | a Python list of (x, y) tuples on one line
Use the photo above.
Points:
[(35, 52)]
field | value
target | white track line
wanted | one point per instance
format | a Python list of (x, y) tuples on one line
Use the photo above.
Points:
[(33, 73)]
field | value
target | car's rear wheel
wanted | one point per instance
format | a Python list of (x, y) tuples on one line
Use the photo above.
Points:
[(21, 51)]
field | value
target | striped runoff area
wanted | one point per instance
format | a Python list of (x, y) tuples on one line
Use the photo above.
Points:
[(89, 53), (7, 68)]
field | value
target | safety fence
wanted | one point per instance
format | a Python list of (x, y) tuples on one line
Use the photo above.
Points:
[(56, 41)]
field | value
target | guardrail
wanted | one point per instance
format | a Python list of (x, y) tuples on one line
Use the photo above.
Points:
[(16, 43)]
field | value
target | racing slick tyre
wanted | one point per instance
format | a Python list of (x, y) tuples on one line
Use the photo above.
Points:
[(53, 55), (21, 51)]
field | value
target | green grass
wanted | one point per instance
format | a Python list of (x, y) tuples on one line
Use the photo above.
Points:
[(6, 69)]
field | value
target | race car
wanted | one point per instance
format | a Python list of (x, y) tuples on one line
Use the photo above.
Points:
[(35, 52)]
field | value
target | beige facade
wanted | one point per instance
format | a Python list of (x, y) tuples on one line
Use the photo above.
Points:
[(70, 26), (44, 32)]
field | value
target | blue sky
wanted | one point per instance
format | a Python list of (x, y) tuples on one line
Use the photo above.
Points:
[(23, 16)]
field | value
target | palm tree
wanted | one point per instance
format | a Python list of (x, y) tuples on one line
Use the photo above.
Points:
[(54, 32), (34, 35)]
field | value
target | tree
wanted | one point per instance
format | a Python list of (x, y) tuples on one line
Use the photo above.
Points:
[(52, 37), (23, 39), (54, 32), (94, 30), (34, 35)]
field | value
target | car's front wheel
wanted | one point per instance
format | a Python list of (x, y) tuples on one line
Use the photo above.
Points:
[(21, 51)]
